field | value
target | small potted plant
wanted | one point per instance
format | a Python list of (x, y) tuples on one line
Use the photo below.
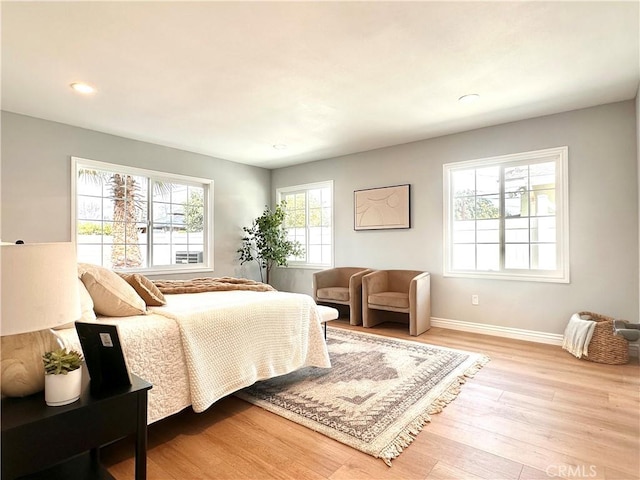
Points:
[(62, 376)]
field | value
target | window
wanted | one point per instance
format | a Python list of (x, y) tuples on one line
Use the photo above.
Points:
[(507, 217), (309, 220), (134, 219)]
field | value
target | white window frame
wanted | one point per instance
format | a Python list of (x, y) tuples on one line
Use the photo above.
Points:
[(207, 260), (280, 192), (561, 274)]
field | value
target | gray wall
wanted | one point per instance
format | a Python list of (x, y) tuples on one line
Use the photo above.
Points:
[(603, 202), (36, 183), (603, 196)]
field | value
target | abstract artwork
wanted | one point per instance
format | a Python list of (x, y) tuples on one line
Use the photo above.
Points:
[(382, 208)]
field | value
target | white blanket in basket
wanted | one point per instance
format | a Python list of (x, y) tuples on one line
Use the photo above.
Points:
[(233, 339), (577, 335)]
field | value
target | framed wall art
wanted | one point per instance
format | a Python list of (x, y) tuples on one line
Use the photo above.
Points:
[(382, 208)]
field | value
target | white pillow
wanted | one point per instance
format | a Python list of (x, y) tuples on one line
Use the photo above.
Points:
[(87, 314), (86, 307)]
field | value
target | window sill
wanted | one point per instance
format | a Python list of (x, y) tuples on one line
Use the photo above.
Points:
[(167, 271), (510, 276), (308, 266)]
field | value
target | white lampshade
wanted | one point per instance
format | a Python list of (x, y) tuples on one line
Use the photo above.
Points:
[(39, 284)]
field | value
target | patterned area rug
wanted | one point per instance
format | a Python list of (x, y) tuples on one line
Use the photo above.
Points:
[(378, 394)]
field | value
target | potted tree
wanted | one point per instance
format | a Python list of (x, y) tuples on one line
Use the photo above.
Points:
[(62, 376), (266, 242)]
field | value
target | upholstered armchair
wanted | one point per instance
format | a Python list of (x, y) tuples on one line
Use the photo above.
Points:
[(342, 286), (404, 291)]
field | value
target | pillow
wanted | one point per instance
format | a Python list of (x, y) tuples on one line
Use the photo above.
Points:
[(86, 307), (86, 267), (112, 295), (145, 288), (86, 304)]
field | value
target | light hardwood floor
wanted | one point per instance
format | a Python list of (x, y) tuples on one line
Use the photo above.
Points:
[(534, 412)]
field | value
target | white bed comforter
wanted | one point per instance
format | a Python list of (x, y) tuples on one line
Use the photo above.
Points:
[(233, 339), (201, 347)]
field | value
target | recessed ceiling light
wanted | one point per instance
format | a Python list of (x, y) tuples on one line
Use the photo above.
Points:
[(83, 88), (280, 146), (470, 98)]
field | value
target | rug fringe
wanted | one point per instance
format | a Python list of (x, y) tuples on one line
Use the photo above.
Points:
[(405, 438)]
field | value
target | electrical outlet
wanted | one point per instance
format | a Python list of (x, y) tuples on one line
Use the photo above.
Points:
[(475, 300)]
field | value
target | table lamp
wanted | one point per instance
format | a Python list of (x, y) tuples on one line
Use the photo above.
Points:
[(39, 291)]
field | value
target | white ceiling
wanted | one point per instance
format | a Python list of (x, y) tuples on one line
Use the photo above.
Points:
[(231, 79)]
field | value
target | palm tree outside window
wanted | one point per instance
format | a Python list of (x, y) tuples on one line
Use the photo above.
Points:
[(134, 219)]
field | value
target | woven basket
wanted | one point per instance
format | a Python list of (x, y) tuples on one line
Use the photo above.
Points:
[(605, 347)]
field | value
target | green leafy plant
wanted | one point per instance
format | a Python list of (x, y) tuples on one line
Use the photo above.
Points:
[(266, 242), (194, 211), (61, 361), (468, 206), (89, 228)]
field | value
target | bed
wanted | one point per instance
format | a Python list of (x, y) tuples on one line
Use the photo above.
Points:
[(201, 347)]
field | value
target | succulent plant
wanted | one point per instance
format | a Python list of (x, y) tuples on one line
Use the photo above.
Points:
[(61, 361)]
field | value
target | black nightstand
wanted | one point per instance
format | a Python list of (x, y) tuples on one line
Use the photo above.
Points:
[(66, 440)]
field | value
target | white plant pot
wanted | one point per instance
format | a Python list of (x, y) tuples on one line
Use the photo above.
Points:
[(62, 389)]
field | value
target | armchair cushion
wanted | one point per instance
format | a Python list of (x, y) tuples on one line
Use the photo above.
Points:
[(340, 294), (389, 299)]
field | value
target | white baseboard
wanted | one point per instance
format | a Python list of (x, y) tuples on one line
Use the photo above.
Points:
[(508, 332), (496, 331)]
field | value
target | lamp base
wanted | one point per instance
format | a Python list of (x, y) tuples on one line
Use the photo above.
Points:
[(21, 368)]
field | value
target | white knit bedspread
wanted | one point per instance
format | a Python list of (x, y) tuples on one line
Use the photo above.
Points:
[(153, 348), (233, 339)]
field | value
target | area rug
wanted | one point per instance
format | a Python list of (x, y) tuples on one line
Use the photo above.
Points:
[(378, 394)]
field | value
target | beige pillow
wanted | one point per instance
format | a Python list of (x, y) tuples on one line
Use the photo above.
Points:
[(145, 288), (112, 295)]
